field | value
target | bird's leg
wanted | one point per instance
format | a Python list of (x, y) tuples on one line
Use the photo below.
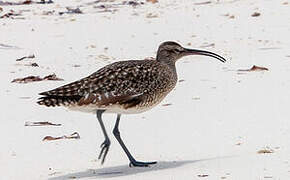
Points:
[(133, 162), (106, 144)]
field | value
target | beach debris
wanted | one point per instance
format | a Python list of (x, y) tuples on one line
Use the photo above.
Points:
[(270, 48), (54, 173), (52, 77), (11, 14), (7, 3), (132, 3), (42, 123), (202, 3), (102, 6), (207, 45), (26, 79), (34, 65), (229, 16), (25, 97), (71, 11), (29, 79), (196, 98), (168, 104), (151, 15), (103, 57), (268, 177), (6, 46), (152, 1), (91, 46), (50, 12), (27, 2), (112, 7), (26, 57), (74, 10), (202, 175), (181, 80), (254, 68), (265, 150), (256, 14), (232, 16), (74, 135), (30, 64), (45, 2)]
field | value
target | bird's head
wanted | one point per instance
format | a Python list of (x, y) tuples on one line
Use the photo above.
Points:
[(169, 52)]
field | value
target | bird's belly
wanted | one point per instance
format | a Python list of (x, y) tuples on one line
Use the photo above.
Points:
[(117, 108)]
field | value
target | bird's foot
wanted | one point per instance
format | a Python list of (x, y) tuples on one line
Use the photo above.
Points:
[(141, 164), (104, 151)]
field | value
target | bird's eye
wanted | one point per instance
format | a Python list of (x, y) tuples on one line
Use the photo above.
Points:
[(176, 50)]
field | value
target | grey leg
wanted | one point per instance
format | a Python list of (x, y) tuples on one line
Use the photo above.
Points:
[(106, 144), (133, 162)]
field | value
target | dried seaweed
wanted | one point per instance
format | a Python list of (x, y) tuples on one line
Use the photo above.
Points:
[(34, 65), (152, 1), (71, 11), (10, 14), (25, 2), (207, 45), (202, 175), (266, 150), (44, 123), (52, 77), (74, 135), (254, 68), (29, 79), (6, 46), (256, 14), (202, 3), (26, 57)]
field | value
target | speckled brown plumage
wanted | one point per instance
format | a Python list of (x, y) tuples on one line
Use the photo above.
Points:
[(129, 83)]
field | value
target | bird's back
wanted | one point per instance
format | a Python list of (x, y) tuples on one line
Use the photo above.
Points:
[(138, 84)]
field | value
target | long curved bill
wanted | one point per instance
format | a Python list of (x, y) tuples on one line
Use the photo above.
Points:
[(205, 53)]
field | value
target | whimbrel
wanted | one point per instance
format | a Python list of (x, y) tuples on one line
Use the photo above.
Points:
[(123, 87)]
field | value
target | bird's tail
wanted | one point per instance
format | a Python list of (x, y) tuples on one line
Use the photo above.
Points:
[(53, 100)]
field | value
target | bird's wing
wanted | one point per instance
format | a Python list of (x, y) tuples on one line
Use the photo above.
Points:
[(74, 94), (102, 88), (127, 100), (98, 81)]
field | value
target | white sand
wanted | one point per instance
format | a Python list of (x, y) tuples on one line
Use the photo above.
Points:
[(218, 120)]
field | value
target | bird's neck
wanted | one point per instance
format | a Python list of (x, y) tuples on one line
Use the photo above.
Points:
[(170, 63)]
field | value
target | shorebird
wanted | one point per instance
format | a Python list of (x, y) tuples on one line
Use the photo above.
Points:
[(123, 87)]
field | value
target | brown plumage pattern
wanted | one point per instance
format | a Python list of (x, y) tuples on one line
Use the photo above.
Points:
[(128, 83)]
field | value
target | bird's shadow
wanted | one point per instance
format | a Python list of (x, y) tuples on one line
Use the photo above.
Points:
[(125, 170)]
